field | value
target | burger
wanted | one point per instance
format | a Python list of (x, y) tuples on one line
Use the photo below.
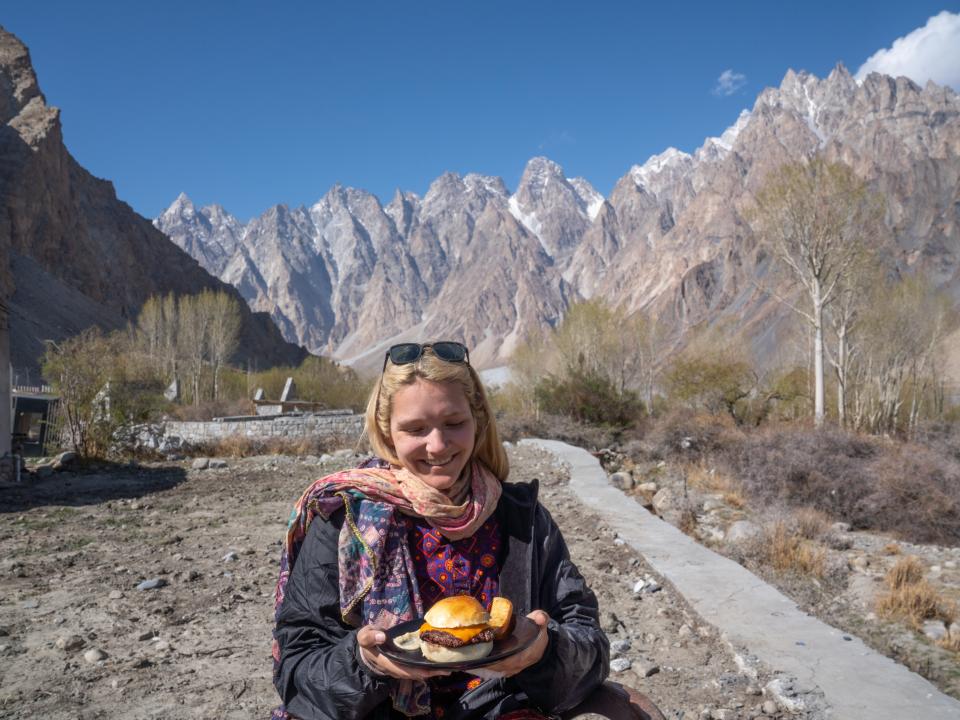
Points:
[(458, 629)]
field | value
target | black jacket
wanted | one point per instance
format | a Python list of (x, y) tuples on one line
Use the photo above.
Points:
[(321, 674)]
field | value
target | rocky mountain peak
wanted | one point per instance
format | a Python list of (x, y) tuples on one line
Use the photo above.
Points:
[(182, 207), (662, 169), (539, 171), (18, 81)]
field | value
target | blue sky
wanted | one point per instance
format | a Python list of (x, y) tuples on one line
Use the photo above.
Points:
[(249, 105)]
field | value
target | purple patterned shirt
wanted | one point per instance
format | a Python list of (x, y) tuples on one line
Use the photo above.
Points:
[(445, 568)]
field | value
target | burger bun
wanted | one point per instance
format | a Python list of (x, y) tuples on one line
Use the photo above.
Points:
[(467, 653), (457, 611)]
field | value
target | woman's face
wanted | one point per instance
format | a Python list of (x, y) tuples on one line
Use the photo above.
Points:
[(432, 431)]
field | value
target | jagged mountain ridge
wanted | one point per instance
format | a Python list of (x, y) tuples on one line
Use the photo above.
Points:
[(73, 255), (472, 261)]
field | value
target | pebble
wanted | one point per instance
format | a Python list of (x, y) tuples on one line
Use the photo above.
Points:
[(769, 707), (647, 668), (638, 586), (152, 584), (653, 587), (94, 655), (148, 635), (950, 564), (620, 664), (30, 604), (230, 557), (609, 622), (200, 463), (620, 646), (685, 631), (69, 642), (217, 464), (115, 594)]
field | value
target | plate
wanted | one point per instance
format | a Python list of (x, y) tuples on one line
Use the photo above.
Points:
[(525, 631)]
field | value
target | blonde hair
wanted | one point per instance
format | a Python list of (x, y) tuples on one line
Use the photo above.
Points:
[(487, 447)]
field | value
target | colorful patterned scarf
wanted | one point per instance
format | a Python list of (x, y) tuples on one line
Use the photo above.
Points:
[(377, 579)]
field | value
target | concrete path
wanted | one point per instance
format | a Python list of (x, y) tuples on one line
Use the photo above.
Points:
[(857, 682)]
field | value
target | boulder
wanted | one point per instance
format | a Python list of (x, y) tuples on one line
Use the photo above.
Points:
[(622, 480), (742, 531), (665, 500)]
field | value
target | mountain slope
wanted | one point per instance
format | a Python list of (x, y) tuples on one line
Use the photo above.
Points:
[(59, 222)]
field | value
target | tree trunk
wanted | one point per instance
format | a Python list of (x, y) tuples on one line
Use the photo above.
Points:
[(817, 355), (842, 377)]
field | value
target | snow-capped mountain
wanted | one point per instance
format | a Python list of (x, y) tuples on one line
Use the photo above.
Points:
[(471, 260)]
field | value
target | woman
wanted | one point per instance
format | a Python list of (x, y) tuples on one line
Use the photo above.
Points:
[(372, 547)]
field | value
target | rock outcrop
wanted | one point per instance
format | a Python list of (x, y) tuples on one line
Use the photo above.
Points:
[(71, 253)]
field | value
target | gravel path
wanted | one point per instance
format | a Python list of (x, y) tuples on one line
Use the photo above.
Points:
[(78, 639)]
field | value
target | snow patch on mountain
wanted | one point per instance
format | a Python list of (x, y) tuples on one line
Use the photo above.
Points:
[(590, 199), (670, 158), (528, 220)]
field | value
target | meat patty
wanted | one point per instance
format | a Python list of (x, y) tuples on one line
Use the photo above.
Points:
[(439, 637)]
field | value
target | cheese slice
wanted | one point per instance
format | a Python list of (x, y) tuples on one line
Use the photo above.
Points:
[(464, 634)]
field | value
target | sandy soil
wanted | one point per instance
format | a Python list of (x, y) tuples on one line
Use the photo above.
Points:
[(79, 640)]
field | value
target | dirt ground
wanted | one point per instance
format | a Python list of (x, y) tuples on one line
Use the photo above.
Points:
[(78, 639)]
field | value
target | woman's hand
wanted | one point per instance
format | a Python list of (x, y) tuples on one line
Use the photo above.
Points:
[(368, 638), (525, 658)]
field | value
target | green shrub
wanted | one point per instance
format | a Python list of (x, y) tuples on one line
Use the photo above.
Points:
[(588, 397)]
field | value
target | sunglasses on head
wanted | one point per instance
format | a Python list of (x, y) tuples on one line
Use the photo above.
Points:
[(406, 353), (446, 350)]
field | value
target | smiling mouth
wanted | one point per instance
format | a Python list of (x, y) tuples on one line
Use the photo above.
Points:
[(435, 464)]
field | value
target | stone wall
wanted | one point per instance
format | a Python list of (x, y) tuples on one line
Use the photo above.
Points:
[(330, 423), (8, 468), (5, 401)]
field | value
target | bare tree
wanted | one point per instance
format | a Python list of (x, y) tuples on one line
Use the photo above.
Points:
[(224, 332), (150, 329), (901, 346), (193, 338), (816, 217), (169, 346), (853, 297)]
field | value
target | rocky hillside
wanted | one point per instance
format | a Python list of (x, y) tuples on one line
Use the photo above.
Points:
[(71, 253), (472, 260)]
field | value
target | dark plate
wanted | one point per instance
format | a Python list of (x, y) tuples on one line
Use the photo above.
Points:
[(524, 633)]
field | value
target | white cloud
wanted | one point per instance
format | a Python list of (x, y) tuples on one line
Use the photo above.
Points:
[(729, 82), (931, 52)]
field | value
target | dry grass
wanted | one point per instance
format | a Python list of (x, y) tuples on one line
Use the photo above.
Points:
[(789, 552), (811, 523), (892, 549), (951, 641), (911, 598), (239, 446), (688, 521), (734, 499), (710, 479), (907, 571)]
